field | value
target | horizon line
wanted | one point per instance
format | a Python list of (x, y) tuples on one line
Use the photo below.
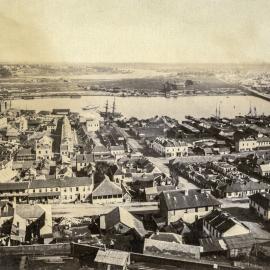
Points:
[(135, 62)]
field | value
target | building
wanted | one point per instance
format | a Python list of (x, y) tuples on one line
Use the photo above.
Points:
[(22, 124), (239, 246), (263, 143), (264, 170), (31, 224), (246, 144), (67, 142), (100, 151), (152, 193), (107, 192), (5, 105), (219, 224), (51, 127), (109, 259), (6, 211), (12, 134), (121, 221), (252, 143), (14, 191), (25, 154), (223, 167), (169, 148), (187, 205), (92, 125), (83, 161), (171, 250), (238, 190), (3, 122), (43, 148), (6, 171), (76, 189), (117, 150), (260, 203), (66, 190)]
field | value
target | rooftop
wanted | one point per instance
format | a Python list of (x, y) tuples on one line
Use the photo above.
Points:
[(112, 257), (176, 199)]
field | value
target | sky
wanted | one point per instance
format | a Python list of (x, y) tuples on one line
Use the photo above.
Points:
[(161, 31)]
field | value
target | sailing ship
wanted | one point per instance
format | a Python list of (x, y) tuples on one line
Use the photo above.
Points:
[(110, 115)]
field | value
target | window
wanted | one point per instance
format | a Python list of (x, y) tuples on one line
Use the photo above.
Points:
[(206, 208), (70, 189), (196, 209), (77, 188)]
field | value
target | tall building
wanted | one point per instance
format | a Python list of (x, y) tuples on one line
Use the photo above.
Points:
[(66, 146)]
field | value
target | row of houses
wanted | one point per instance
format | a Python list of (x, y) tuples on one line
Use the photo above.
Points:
[(64, 190), (252, 143), (69, 189)]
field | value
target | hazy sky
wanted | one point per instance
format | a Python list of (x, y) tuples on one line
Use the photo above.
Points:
[(135, 30)]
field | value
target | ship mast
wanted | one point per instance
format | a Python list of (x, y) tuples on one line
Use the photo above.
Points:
[(113, 108), (106, 109)]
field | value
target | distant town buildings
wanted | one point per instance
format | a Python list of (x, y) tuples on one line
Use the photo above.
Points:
[(170, 148)]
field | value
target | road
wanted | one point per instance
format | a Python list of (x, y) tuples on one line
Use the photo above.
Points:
[(185, 184), (161, 163), (86, 209)]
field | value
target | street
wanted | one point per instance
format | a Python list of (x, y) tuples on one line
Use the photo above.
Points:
[(87, 209)]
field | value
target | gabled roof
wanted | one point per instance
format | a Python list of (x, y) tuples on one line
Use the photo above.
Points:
[(121, 215), (45, 183), (262, 199), (176, 199), (14, 186), (236, 187), (66, 182), (212, 244), (100, 149), (240, 241), (112, 257), (118, 172), (265, 167), (158, 189), (168, 249), (117, 148), (29, 211), (84, 158), (167, 237), (76, 181), (106, 187), (222, 221)]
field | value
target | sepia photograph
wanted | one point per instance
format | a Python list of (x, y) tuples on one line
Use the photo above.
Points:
[(134, 134)]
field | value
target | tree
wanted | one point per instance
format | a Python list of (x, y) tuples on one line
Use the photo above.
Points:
[(5, 72)]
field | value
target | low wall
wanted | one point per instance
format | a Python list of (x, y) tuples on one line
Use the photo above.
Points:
[(39, 250), (91, 251)]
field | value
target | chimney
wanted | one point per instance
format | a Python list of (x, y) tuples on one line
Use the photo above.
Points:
[(186, 192)]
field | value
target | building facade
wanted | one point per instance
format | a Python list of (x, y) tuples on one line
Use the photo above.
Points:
[(169, 148)]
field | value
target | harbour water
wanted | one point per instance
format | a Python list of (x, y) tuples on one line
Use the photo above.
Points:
[(144, 107)]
